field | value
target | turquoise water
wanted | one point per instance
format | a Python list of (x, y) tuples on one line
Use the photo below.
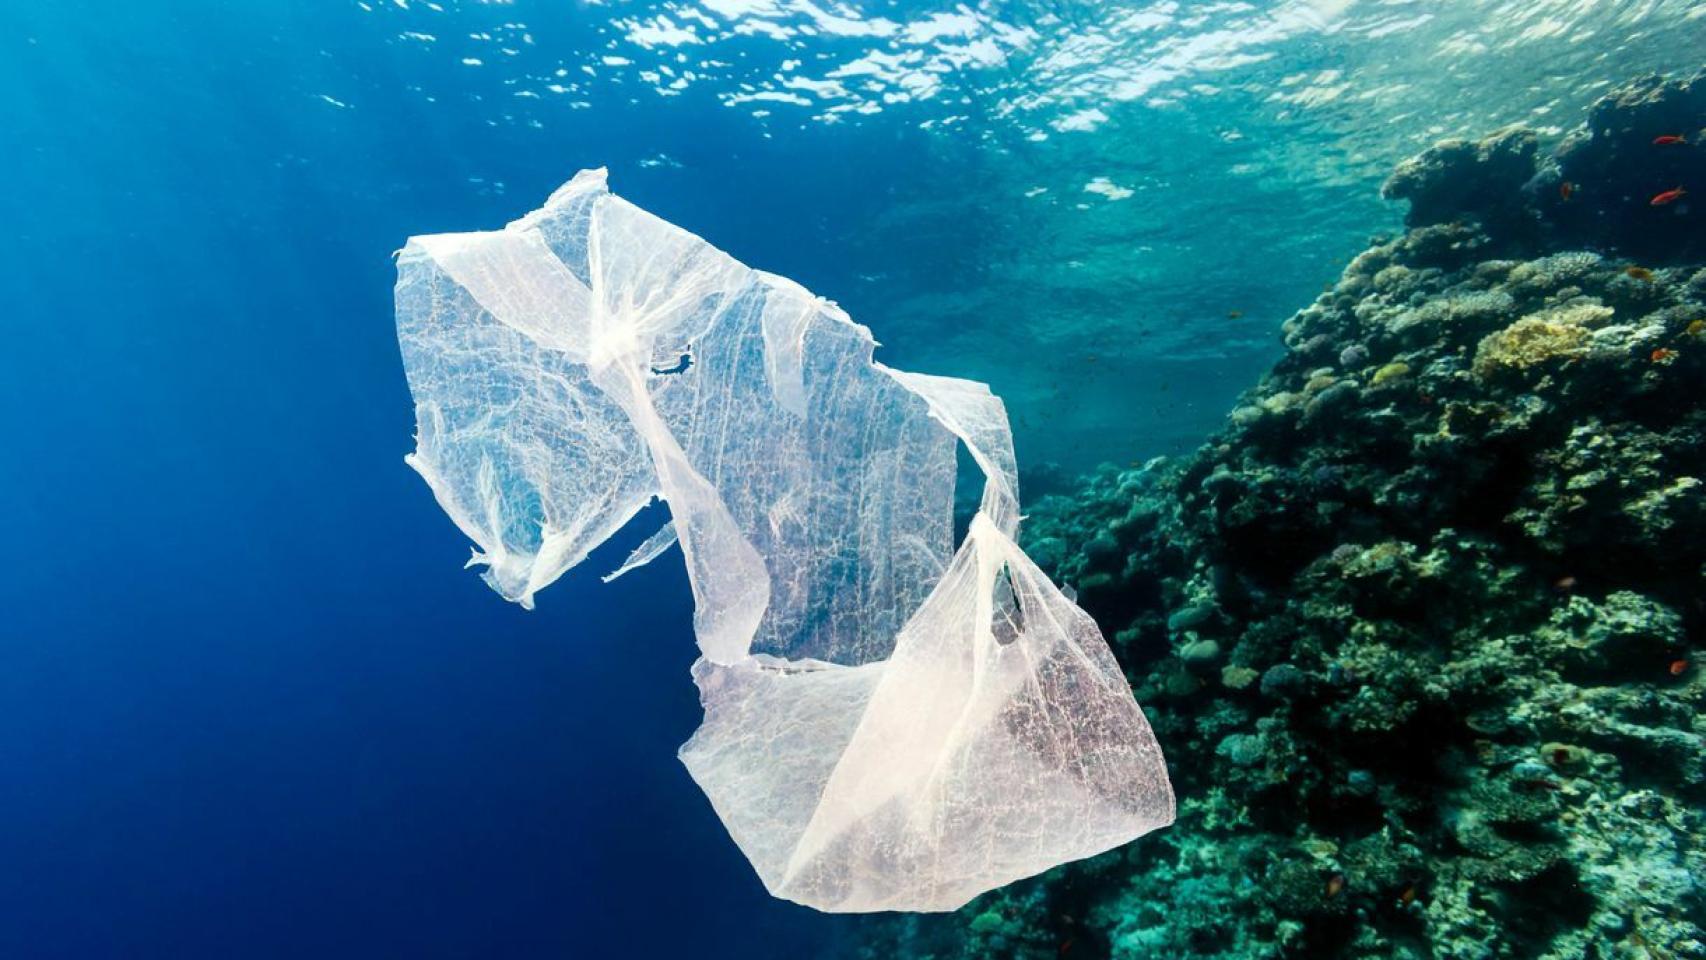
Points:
[(252, 707)]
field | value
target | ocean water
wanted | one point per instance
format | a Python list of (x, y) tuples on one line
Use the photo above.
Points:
[(251, 705)]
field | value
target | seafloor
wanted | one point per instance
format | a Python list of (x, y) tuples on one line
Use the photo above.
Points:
[(1421, 628)]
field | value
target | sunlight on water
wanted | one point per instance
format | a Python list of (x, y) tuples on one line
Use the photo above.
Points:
[(1054, 68), (1092, 165)]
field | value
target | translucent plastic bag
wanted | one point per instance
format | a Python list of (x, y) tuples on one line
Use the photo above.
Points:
[(890, 723)]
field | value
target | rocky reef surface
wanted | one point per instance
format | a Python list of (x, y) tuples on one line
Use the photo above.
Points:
[(1421, 628)]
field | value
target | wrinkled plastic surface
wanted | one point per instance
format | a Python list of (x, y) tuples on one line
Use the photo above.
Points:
[(891, 723)]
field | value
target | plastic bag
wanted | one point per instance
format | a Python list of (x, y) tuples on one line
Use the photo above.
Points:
[(891, 723)]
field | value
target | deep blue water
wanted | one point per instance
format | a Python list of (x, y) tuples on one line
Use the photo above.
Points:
[(251, 706)]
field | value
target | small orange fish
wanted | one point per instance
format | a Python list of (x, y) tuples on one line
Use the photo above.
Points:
[(1234, 314), (1669, 140), (1639, 273), (1678, 667), (1564, 584), (1566, 190), (1669, 196), (1335, 884), (1664, 355), (1408, 896)]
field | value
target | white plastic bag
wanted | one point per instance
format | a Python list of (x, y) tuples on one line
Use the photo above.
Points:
[(890, 723)]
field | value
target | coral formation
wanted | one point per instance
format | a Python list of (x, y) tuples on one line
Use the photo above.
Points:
[(1420, 628)]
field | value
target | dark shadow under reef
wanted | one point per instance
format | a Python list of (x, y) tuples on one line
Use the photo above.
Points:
[(1421, 628)]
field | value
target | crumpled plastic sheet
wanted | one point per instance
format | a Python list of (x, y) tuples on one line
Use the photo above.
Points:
[(892, 722)]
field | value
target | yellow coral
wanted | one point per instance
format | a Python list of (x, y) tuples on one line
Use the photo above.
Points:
[(1581, 314), (1559, 333), (1318, 383), (1393, 277), (1390, 373), (1238, 677)]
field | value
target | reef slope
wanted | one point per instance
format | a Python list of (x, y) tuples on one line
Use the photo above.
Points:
[(1420, 629)]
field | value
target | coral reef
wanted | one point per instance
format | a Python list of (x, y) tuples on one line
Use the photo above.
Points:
[(1601, 188), (1420, 629)]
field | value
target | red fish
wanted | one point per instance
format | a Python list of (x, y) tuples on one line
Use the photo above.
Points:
[(1664, 355), (1678, 667), (1669, 139), (1669, 196), (1566, 190)]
